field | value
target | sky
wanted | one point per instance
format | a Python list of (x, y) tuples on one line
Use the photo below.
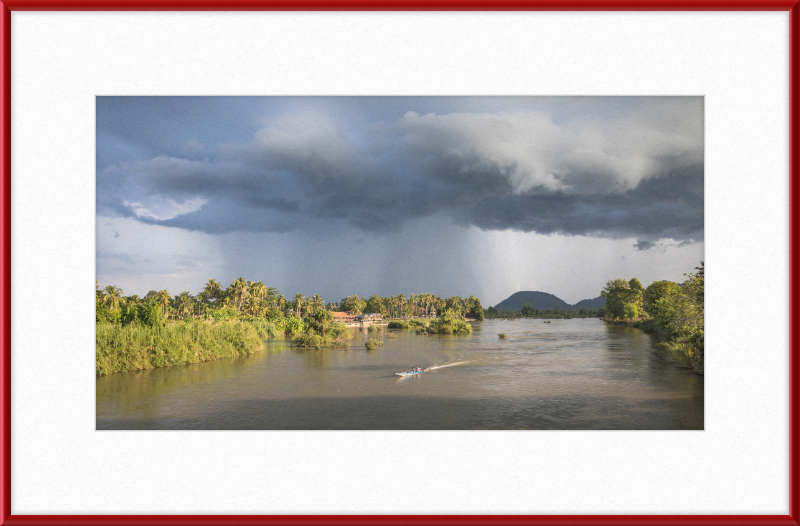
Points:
[(461, 196)]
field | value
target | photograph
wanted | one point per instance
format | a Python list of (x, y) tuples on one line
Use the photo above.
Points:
[(400, 263)]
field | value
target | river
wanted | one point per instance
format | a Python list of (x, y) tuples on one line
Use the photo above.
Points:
[(567, 374)]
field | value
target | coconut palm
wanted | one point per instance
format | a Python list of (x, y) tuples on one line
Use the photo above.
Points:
[(238, 291), (112, 298), (258, 289), (298, 303), (162, 299), (212, 290), (317, 302), (254, 306), (281, 301), (185, 304)]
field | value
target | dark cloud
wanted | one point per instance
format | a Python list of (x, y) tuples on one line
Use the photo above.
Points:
[(635, 175)]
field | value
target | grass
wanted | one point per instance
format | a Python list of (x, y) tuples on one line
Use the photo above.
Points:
[(682, 354), (267, 329), (340, 344), (373, 328), (373, 343), (308, 339), (442, 326), (336, 335), (135, 347)]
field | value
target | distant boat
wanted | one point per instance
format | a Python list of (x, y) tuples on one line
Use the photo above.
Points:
[(409, 374)]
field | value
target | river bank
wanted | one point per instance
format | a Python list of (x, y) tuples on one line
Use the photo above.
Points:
[(686, 354), (568, 374), (136, 347)]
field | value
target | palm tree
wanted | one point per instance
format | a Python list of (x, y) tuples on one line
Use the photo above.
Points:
[(258, 289), (162, 298), (112, 297), (298, 303), (239, 292), (254, 307), (212, 290), (317, 302), (271, 295), (185, 304), (281, 301)]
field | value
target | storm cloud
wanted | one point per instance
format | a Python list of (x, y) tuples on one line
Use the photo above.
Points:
[(617, 174)]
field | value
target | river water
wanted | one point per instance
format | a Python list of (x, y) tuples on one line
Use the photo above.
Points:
[(567, 374)]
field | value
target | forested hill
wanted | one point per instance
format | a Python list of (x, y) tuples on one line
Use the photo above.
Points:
[(543, 300), (592, 304)]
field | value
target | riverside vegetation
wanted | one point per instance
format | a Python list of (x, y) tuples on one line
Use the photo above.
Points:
[(160, 330), (675, 311)]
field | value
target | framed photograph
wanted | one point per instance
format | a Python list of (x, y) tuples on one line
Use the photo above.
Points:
[(457, 263)]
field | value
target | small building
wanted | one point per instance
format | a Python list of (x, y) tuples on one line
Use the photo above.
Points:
[(345, 317), (369, 318)]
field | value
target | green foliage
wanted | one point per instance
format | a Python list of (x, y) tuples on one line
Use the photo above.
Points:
[(631, 311), (528, 311), (373, 343), (223, 313), (137, 346), (624, 299), (473, 308), (267, 328), (373, 328), (293, 325), (656, 291), (399, 324), (340, 331), (308, 339), (340, 344), (104, 315), (677, 313), (449, 324), (353, 304), (318, 319), (502, 335)]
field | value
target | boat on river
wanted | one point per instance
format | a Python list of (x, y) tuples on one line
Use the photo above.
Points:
[(409, 373)]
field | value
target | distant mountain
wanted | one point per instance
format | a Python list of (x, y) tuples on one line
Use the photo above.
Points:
[(543, 300), (592, 304)]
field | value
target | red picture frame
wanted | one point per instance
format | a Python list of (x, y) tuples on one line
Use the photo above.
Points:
[(793, 6)]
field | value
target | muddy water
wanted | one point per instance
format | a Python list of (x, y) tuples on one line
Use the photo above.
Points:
[(568, 374)]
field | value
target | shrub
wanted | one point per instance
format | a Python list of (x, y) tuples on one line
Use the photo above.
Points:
[(373, 343), (137, 346), (309, 339), (267, 329), (399, 324), (449, 326), (502, 335)]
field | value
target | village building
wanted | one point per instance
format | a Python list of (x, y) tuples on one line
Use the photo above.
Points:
[(345, 317)]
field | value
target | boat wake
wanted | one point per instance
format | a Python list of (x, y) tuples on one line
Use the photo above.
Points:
[(434, 367)]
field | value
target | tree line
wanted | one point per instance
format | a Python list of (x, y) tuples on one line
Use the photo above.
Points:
[(253, 299), (533, 312), (423, 305), (675, 311)]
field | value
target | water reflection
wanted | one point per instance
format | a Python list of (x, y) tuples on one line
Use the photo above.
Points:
[(570, 374)]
